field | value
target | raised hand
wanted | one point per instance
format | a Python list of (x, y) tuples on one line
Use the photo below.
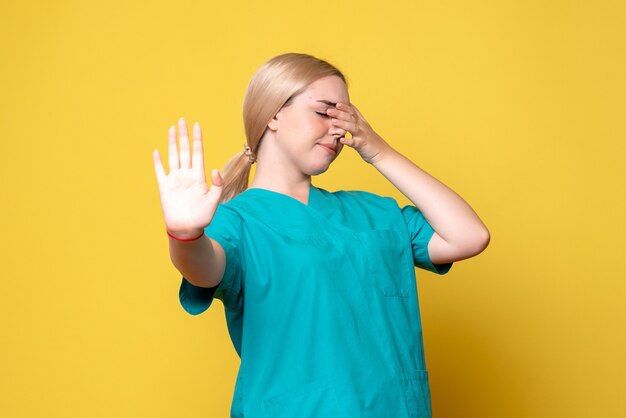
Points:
[(188, 203)]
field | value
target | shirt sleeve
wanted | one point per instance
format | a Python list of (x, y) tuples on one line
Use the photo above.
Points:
[(225, 228), (421, 232)]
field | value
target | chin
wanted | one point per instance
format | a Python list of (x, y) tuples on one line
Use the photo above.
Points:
[(314, 171)]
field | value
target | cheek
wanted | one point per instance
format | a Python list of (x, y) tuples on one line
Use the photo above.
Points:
[(315, 128), (321, 124)]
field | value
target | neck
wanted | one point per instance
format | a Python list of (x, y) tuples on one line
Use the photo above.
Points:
[(276, 174), (277, 178)]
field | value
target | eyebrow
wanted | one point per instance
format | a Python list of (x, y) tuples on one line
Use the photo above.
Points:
[(329, 103)]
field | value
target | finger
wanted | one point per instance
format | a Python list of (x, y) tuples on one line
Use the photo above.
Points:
[(345, 107), (339, 114), (345, 125), (158, 167), (347, 141), (172, 151), (197, 162), (184, 144)]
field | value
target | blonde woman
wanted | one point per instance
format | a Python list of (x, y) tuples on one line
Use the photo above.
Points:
[(318, 287)]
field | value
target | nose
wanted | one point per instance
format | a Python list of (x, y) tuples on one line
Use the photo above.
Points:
[(336, 132)]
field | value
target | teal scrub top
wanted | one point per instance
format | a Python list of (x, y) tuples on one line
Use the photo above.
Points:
[(321, 304)]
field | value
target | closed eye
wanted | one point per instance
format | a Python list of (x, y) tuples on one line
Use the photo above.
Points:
[(322, 114)]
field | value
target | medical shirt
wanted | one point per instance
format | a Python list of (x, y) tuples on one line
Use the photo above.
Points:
[(321, 304)]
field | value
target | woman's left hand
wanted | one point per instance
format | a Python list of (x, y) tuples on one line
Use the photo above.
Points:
[(365, 141)]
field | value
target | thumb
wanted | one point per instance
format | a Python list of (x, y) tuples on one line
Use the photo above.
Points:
[(216, 185), (216, 178)]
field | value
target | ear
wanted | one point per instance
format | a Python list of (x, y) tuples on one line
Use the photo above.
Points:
[(273, 124)]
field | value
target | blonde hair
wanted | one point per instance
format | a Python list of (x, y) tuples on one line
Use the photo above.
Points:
[(273, 86)]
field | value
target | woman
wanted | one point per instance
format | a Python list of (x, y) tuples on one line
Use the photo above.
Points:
[(318, 288)]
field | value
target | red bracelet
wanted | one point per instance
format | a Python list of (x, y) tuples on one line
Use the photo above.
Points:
[(185, 239)]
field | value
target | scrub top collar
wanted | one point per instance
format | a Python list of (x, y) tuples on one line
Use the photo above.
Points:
[(314, 195), (322, 208)]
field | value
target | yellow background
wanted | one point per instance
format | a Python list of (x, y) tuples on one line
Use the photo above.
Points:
[(518, 106)]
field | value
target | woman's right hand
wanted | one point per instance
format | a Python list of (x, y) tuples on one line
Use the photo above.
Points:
[(188, 203)]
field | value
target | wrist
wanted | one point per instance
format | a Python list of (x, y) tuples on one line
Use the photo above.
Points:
[(382, 155), (185, 236)]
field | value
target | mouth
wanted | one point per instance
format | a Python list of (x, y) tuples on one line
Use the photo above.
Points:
[(332, 149)]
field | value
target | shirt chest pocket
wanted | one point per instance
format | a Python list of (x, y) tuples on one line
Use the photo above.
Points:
[(384, 258)]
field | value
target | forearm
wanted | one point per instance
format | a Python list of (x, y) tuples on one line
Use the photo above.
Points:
[(197, 261), (459, 233), (449, 215)]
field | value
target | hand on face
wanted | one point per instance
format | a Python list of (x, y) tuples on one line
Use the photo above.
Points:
[(364, 140)]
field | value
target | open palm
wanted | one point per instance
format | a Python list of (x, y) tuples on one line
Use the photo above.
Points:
[(188, 203)]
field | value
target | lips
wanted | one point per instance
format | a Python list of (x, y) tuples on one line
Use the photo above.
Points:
[(331, 148)]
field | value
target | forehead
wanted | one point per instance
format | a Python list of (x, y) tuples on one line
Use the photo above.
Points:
[(326, 90)]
